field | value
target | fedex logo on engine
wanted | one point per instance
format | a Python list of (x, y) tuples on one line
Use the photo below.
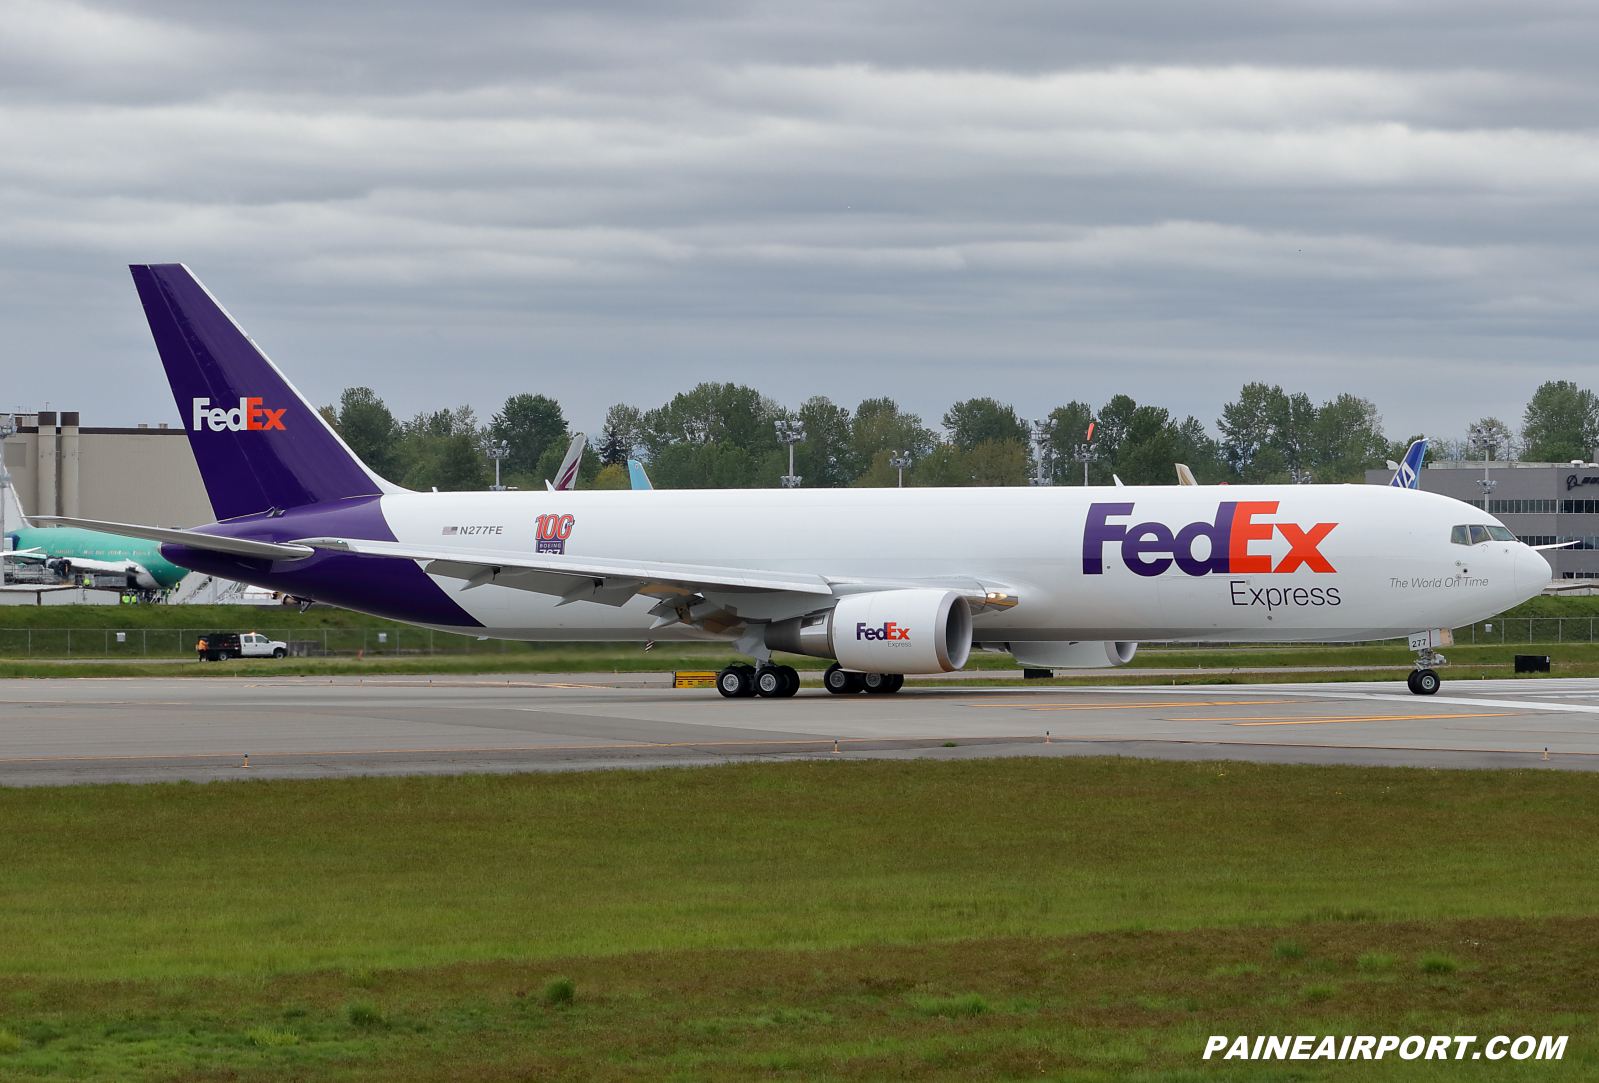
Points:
[(1151, 548), (889, 630), (249, 414)]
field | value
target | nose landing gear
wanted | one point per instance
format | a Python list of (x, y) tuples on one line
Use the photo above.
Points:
[(1423, 682)]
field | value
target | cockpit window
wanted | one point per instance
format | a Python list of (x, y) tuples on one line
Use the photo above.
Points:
[(1461, 535), (1478, 534), (1499, 533)]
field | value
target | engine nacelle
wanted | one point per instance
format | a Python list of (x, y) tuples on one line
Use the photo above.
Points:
[(886, 631), (1088, 654)]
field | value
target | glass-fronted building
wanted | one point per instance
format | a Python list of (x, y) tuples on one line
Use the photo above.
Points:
[(1541, 503)]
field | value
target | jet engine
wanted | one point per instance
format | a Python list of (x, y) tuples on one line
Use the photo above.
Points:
[(919, 630)]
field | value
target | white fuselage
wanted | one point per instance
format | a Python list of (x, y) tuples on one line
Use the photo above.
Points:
[(1388, 567)]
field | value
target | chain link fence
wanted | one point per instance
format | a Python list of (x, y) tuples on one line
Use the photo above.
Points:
[(180, 642)]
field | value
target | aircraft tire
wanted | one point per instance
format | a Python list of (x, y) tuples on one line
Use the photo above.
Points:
[(897, 681), (733, 682), (840, 683), (1426, 683), (771, 682), (792, 676), (877, 683)]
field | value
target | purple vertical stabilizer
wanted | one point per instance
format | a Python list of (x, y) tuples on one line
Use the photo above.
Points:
[(260, 446)]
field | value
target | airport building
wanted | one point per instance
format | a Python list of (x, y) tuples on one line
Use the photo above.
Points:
[(137, 475), (1541, 503)]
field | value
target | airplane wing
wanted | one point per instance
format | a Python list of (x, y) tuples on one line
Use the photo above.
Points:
[(26, 556), (636, 474), (566, 476)]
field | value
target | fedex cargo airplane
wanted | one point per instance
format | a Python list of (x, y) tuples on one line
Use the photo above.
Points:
[(885, 582)]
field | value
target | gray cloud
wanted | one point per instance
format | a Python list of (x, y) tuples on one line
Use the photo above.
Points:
[(1038, 202)]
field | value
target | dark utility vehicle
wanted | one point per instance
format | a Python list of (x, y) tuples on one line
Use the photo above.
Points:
[(221, 646)]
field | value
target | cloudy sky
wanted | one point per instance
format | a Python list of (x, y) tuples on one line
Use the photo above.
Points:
[(1037, 201)]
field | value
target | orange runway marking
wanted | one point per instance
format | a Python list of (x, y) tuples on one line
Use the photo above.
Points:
[(1168, 703), (1323, 721)]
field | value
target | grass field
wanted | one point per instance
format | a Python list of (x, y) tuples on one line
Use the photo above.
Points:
[(1008, 919)]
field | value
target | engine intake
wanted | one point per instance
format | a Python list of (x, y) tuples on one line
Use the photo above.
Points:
[(887, 631)]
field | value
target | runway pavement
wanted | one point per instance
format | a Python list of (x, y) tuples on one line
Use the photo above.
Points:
[(55, 732)]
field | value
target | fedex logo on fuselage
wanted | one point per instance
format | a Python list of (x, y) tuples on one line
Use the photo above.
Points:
[(889, 630), (1151, 548), (249, 414)]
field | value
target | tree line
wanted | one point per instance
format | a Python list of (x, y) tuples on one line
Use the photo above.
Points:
[(724, 435)]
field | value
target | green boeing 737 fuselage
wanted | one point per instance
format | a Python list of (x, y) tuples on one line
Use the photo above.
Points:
[(92, 551)]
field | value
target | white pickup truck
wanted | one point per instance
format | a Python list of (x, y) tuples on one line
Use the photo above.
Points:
[(221, 646)]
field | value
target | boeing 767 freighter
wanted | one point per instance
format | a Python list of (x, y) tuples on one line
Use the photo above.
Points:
[(886, 582)]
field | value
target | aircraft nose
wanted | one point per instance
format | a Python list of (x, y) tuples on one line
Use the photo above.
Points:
[(1532, 571)]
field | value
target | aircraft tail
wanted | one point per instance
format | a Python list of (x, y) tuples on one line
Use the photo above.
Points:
[(636, 475), (1407, 475), (259, 444), (15, 517), (566, 476)]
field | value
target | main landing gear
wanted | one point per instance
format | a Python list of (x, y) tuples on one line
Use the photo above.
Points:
[(773, 682), (842, 683)]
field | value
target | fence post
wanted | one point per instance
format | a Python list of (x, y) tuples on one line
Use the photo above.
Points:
[(69, 642)]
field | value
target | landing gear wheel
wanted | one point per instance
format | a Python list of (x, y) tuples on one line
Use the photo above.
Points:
[(735, 682), (1425, 682), (878, 683), (772, 683), (840, 683), (899, 682), (793, 678)]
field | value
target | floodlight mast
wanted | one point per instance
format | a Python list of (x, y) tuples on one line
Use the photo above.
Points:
[(1087, 452), (499, 451), (790, 433), (1488, 439), (1042, 431), (899, 460)]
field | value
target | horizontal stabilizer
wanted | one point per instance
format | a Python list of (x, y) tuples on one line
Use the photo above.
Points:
[(239, 547)]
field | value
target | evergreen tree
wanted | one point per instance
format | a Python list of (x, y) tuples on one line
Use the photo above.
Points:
[(1561, 423)]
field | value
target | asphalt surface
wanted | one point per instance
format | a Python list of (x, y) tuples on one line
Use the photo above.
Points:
[(58, 732)]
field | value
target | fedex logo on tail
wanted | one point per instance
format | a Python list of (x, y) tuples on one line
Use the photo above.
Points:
[(1151, 548), (249, 414)]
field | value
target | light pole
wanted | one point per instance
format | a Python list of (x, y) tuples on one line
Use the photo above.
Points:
[(1086, 452), (8, 427), (499, 451), (1041, 434), (1488, 439), (790, 433), (899, 460)]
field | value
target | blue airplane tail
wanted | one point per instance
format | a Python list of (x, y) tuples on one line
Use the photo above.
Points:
[(1408, 476), (260, 445), (636, 474)]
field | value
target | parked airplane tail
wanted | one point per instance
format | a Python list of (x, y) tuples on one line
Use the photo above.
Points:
[(15, 518), (566, 476), (1407, 475), (637, 476), (259, 444)]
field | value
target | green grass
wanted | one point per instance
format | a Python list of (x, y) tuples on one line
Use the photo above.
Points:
[(269, 876), (840, 920)]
